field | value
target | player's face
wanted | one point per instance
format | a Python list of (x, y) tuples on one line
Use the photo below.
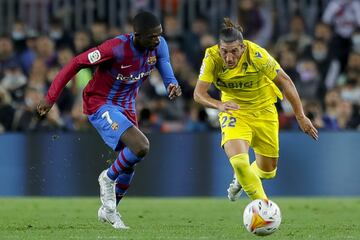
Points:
[(231, 52), (149, 39)]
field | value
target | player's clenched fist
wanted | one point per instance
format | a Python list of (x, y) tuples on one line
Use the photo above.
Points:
[(43, 108)]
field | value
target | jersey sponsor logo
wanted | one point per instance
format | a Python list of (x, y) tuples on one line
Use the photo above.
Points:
[(94, 56), (151, 60), (132, 78), (234, 85), (224, 69)]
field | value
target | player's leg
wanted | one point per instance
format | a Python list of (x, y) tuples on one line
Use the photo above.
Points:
[(122, 183), (123, 169), (237, 152), (112, 125), (265, 167), (266, 143), (236, 136), (136, 147)]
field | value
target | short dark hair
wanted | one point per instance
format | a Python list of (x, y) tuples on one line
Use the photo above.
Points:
[(230, 32), (144, 21)]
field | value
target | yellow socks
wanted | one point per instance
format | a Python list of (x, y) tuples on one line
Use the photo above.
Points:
[(250, 182), (261, 173)]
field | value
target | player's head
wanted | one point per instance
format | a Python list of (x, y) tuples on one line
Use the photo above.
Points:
[(231, 43), (147, 30)]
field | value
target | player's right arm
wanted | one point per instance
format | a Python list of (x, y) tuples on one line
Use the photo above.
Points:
[(206, 77), (91, 57)]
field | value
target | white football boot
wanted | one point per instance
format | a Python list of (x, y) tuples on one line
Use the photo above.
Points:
[(234, 190), (107, 192), (114, 218)]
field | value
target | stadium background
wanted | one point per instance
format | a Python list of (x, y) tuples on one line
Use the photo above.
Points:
[(316, 42)]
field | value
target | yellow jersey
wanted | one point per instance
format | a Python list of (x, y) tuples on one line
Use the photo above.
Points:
[(249, 84)]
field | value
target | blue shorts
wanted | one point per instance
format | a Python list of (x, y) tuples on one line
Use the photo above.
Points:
[(110, 123)]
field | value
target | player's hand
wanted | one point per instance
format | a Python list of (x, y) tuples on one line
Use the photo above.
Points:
[(173, 90), (43, 108), (307, 127), (227, 107)]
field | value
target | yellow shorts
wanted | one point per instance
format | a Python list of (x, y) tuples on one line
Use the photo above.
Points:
[(260, 128)]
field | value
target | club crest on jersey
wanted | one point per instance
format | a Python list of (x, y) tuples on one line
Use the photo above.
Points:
[(94, 56), (244, 67), (114, 126), (258, 55), (151, 60)]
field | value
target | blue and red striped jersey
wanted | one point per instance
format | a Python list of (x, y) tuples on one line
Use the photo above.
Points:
[(121, 69)]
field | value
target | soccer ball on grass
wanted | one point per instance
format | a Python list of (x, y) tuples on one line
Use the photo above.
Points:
[(262, 217)]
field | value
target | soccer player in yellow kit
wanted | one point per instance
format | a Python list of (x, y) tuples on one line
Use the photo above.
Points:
[(248, 78)]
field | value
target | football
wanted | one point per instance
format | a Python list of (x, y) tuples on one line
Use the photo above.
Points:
[(262, 217)]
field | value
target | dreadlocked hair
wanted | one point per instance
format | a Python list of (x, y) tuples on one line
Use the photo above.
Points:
[(231, 32)]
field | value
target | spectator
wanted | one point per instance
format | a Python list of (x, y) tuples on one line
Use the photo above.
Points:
[(14, 81), (297, 37), (7, 111), (7, 53), (26, 118), (28, 56), (332, 102), (350, 90), (255, 20), (355, 41), (313, 111), (323, 32), (99, 32), (77, 120), (57, 33), (81, 42), (45, 50), (197, 120), (309, 83), (192, 45), (288, 61), (344, 16), (18, 35)]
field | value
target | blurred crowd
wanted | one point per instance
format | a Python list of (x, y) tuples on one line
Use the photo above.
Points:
[(320, 52)]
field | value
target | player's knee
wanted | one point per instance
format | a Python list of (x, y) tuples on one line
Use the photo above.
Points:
[(268, 165), (143, 148), (274, 164)]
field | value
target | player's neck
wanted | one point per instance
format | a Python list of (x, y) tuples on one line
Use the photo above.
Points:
[(138, 46)]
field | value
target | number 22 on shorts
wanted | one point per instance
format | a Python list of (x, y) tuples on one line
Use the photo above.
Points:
[(228, 121)]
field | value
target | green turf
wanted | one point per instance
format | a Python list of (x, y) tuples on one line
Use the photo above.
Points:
[(175, 218)]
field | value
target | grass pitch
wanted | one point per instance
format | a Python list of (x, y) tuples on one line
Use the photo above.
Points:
[(175, 218)]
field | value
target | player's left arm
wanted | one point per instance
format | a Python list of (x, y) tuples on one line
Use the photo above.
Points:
[(271, 68), (166, 71), (286, 84)]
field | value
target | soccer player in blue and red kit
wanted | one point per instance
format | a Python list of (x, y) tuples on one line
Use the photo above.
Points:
[(123, 64)]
